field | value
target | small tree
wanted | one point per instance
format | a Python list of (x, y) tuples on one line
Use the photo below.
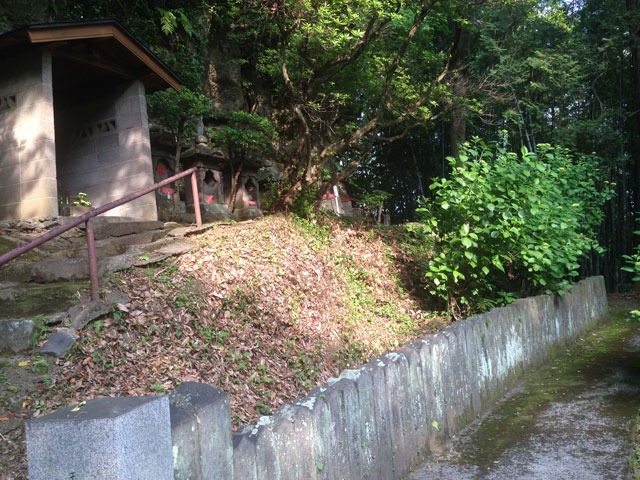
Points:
[(373, 202), (178, 113), (248, 133)]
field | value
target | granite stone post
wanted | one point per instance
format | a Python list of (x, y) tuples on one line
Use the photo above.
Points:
[(368, 435), (125, 438), (332, 446), (397, 412), (345, 387), (435, 393), (267, 465), (291, 430), (416, 432)]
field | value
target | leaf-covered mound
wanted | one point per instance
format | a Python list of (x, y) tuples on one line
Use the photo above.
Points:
[(265, 311)]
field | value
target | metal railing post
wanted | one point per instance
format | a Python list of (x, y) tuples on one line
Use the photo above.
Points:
[(93, 259), (196, 198), (86, 218)]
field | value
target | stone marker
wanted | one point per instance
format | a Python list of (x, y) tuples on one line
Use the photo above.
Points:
[(201, 432), (81, 315), (59, 342), (125, 438)]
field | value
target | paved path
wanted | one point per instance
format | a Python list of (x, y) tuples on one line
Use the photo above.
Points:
[(570, 420)]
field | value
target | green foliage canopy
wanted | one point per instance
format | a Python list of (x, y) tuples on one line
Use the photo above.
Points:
[(251, 133)]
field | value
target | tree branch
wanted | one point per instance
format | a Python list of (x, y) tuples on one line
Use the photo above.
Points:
[(417, 21), (334, 66)]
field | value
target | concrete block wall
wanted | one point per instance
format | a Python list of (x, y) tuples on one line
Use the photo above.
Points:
[(103, 150), (380, 420), (27, 137)]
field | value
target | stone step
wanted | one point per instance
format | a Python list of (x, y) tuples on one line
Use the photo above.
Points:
[(66, 269), (111, 246), (120, 229), (20, 300), (112, 235), (19, 333), (180, 232)]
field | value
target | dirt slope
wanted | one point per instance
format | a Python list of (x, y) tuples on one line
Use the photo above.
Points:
[(263, 310)]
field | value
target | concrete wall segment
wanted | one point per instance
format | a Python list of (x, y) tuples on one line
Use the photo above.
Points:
[(382, 414), (291, 431), (27, 134), (368, 428), (337, 464), (397, 412), (244, 454), (101, 144), (378, 421), (428, 396), (267, 465), (345, 386), (435, 393), (471, 366), (417, 432), (206, 440)]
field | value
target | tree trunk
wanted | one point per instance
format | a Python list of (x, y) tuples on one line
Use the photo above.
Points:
[(457, 128), (458, 124), (418, 172), (177, 169), (234, 187), (632, 8)]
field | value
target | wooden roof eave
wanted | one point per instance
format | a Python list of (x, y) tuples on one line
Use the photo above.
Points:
[(106, 30)]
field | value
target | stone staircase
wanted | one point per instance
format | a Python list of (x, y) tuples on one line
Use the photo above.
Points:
[(47, 286)]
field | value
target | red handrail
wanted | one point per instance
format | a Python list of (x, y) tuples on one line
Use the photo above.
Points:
[(87, 218)]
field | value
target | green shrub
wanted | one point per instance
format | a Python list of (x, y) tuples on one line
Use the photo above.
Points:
[(508, 225), (633, 266), (305, 203)]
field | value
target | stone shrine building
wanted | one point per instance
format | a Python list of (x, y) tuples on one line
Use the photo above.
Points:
[(73, 118)]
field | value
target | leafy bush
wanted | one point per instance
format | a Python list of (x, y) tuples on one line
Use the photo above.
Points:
[(633, 263), (633, 266), (506, 225), (305, 203)]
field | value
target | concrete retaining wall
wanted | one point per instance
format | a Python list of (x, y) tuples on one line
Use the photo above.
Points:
[(378, 421), (382, 419)]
